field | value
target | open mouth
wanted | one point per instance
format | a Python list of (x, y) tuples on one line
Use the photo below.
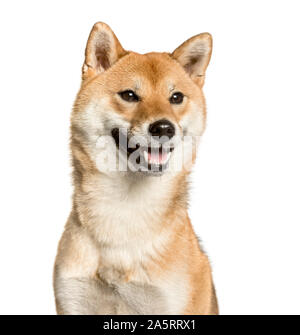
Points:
[(156, 159), (152, 159)]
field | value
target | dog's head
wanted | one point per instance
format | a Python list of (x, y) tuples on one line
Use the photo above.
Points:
[(134, 112)]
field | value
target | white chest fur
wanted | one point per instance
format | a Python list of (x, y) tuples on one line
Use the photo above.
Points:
[(124, 217)]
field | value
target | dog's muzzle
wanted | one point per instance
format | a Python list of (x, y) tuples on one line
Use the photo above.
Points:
[(147, 157)]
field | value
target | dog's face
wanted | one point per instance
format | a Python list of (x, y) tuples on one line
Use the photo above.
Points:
[(139, 109)]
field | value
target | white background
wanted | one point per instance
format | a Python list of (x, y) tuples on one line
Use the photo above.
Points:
[(245, 201)]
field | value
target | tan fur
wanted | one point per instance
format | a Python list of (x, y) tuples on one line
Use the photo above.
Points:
[(128, 246)]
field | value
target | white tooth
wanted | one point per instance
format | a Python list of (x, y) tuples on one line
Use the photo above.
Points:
[(146, 156), (168, 156)]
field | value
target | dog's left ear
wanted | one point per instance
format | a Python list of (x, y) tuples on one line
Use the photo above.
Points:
[(194, 55), (103, 49)]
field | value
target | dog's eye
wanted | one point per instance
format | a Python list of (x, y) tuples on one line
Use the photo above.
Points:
[(129, 96), (176, 98)]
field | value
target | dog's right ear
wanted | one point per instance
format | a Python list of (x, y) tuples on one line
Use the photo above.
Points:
[(103, 49)]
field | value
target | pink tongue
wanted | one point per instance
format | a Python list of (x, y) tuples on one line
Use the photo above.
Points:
[(157, 158)]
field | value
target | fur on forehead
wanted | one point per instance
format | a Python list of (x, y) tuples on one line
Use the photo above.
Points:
[(157, 71)]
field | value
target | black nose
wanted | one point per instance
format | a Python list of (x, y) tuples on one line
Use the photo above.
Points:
[(162, 128)]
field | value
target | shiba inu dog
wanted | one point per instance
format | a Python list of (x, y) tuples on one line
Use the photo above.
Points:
[(128, 246)]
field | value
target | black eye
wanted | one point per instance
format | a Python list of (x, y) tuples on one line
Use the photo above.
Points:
[(176, 98), (129, 96)]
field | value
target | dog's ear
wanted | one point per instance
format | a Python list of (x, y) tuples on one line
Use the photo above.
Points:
[(103, 49), (194, 55)]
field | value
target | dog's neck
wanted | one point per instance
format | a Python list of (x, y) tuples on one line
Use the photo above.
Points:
[(118, 208), (130, 219)]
